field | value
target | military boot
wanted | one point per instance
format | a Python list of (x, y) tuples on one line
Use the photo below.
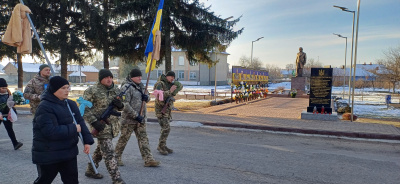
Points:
[(162, 151), (168, 150), (91, 174), (119, 161), (152, 163), (119, 181)]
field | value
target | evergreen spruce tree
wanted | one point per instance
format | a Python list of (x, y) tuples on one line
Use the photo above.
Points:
[(6, 8), (61, 27), (190, 26), (114, 30)]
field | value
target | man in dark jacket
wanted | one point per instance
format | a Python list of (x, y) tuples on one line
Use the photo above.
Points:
[(55, 136)]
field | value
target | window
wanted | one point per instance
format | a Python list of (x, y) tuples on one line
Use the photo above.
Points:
[(181, 74), (192, 75), (172, 60), (192, 63), (159, 73), (181, 61)]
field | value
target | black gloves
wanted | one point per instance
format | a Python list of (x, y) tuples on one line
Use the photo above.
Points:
[(118, 103), (139, 118), (145, 97), (98, 125)]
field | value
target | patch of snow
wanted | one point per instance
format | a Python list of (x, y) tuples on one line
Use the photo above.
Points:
[(186, 124)]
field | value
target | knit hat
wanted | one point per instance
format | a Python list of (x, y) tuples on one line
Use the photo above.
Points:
[(41, 67), (103, 73), (56, 83), (3, 83), (171, 73), (135, 73)]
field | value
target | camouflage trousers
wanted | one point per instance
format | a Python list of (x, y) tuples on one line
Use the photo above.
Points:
[(165, 129), (141, 136), (105, 150)]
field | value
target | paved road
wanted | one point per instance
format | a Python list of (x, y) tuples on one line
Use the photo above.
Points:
[(218, 155), (283, 115)]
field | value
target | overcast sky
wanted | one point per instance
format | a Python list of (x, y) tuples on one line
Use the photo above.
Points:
[(287, 25)]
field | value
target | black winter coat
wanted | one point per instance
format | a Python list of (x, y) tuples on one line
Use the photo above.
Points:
[(55, 137)]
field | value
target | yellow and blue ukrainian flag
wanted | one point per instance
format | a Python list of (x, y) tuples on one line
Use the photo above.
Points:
[(150, 43)]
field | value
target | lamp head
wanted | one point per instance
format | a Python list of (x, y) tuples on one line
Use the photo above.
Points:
[(259, 38), (339, 35), (340, 7)]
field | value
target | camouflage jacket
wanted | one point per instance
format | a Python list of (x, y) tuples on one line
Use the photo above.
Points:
[(101, 97), (133, 102), (163, 84), (34, 89)]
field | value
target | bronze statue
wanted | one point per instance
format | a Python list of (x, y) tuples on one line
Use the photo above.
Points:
[(300, 62)]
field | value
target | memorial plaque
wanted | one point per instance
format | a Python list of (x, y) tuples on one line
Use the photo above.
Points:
[(320, 89)]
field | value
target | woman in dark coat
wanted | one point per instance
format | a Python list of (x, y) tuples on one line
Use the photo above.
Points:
[(55, 136), (6, 101)]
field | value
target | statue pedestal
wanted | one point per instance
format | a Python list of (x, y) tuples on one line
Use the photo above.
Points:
[(299, 83), (320, 117)]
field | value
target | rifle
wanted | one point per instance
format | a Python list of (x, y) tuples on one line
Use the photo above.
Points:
[(166, 105), (109, 111), (175, 92), (106, 114)]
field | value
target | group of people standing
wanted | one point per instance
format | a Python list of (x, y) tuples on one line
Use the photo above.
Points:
[(57, 122)]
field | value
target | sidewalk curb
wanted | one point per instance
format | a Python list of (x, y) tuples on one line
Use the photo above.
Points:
[(303, 131)]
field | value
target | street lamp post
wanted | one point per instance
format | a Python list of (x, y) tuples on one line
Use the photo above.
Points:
[(355, 59), (251, 58), (345, 56), (352, 43)]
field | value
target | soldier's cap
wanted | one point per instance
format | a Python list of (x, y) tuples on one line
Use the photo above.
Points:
[(135, 73), (41, 67), (103, 73), (171, 73)]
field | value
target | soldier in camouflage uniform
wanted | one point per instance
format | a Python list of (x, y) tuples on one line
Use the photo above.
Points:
[(169, 89), (101, 95), (132, 121), (36, 86)]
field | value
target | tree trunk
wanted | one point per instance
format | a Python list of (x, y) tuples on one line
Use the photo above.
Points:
[(20, 72), (105, 42), (394, 87), (167, 32), (63, 40)]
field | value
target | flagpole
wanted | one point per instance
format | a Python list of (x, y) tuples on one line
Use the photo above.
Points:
[(154, 30), (38, 39), (148, 78)]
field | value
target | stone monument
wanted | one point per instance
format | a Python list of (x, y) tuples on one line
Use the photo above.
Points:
[(320, 102), (299, 82), (301, 60)]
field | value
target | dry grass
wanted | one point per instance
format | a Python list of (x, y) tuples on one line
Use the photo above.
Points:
[(395, 123), (183, 106), (23, 106)]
